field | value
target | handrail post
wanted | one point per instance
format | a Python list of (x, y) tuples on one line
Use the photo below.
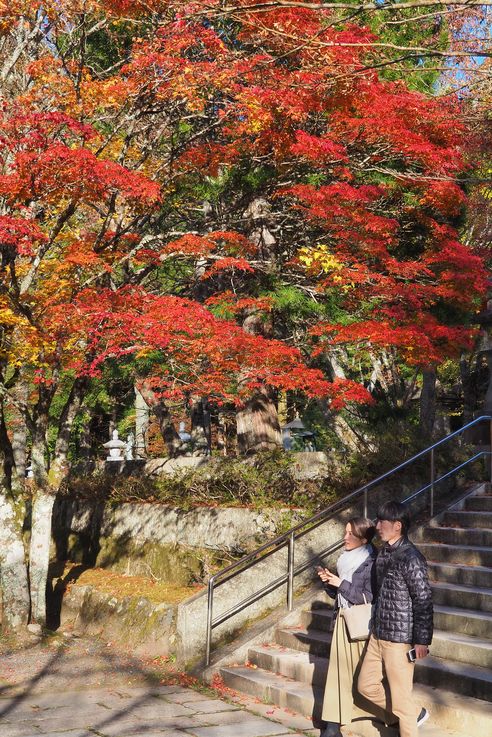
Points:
[(290, 571), (432, 478), (210, 603)]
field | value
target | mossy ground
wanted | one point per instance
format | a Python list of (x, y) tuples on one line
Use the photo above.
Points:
[(120, 585)]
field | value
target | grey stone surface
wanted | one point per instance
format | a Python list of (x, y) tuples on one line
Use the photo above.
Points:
[(255, 728), (126, 712)]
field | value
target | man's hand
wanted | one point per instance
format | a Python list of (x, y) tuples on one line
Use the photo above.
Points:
[(421, 651)]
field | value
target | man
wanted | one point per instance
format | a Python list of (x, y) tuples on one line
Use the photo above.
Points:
[(402, 620)]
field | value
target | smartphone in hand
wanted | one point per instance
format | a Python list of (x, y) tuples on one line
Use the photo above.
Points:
[(412, 655)]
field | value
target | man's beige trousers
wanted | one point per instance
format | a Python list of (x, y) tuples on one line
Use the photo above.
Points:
[(386, 679)]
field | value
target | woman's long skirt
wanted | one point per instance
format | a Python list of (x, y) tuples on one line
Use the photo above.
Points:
[(343, 670)]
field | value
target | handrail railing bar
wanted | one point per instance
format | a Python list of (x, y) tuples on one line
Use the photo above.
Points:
[(357, 492), (276, 545), (445, 476), (275, 584), (315, 521), (280, 581), (309, 563), (304, 566)]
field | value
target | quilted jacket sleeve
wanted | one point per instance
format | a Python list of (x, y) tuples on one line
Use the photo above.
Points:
[(416, 578)]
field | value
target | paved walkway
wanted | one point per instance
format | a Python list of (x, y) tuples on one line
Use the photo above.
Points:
[(85, 688), (163, 711)]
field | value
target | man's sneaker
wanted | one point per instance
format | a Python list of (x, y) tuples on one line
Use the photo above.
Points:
[(422, 717)]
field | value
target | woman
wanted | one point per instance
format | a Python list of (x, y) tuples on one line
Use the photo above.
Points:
[(354, 580)]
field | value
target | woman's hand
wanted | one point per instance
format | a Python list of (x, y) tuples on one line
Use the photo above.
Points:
[(329, 578)]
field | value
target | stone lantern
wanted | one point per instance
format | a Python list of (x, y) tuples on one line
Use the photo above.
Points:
[(115, 448), (295, 436)]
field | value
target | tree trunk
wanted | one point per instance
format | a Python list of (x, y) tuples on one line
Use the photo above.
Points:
[(428, 401), (15, 590), (19, 433), (141, 424), (46, 485), (469, 390), (13, 568), (257, 422), (166, 425), (39, 553)]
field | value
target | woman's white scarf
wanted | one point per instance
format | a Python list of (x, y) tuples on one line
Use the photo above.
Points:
[(347, 564)]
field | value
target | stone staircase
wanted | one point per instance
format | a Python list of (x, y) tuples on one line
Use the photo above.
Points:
[(454, 682)]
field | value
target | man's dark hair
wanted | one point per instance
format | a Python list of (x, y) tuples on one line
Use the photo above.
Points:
[(395, 512)]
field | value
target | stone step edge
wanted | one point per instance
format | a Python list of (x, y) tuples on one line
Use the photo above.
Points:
[(444, 665), (464, 588), (459, 612), (462, 639), (324, 636), (440, 528), (445, 707), (459, 566), (478, 548), (311, 634)]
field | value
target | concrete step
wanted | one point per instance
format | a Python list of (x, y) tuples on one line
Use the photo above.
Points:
[(472, 555), (461, 574), (448, 710), (317, 619), (479, 503), (463, 621), (453, 711), (294, 664), (312, 669), (460, 678), (275, 689), (462, 648), (462, 597), (479, 536), (467, 519), (305, 640)]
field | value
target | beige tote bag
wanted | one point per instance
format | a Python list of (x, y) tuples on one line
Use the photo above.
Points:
[(358, 620)]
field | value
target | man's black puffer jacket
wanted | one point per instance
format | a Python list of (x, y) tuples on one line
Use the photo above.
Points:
[(403, 608)]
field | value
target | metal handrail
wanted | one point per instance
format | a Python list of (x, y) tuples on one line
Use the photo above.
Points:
[(302, 528)]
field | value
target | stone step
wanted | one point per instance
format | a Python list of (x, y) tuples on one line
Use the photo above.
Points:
[(448, 710), (299, 666), (479, 503), (461, 574), (317, 619), (275, 689), (308, 668), (460, 678), (462, 648), (462, 597), (472, 555), (478, 536), (452, 711), (311, 641), (463, 621), (467, 519)]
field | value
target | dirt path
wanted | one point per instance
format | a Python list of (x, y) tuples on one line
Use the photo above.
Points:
[(57, 662)]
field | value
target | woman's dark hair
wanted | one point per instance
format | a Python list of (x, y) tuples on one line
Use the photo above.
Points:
[(362, 528), (395, 512)]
